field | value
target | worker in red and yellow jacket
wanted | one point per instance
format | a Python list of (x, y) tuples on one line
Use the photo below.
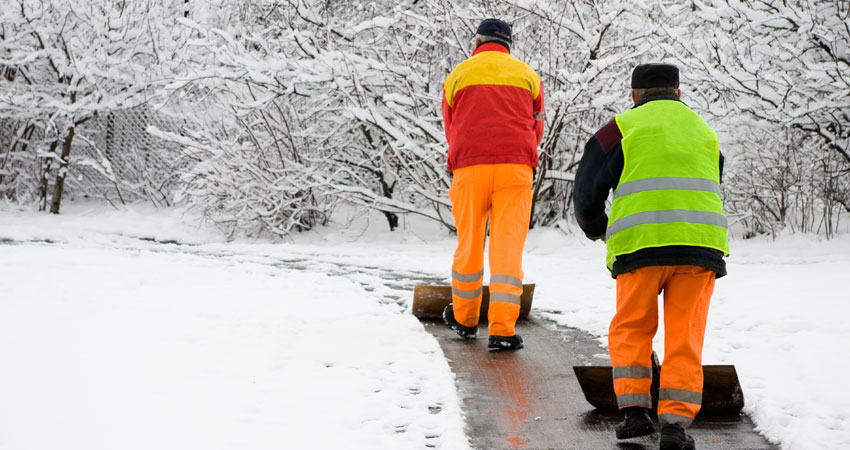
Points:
[(493, 116)]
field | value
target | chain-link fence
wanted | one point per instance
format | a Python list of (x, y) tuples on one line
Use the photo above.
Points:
[(113, 158)]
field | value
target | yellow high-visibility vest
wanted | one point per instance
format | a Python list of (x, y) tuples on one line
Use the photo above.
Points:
[(669, 191)]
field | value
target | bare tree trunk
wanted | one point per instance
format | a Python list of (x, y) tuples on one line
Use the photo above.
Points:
[(392, 218), (13, 141), (46, 166), (59, 186)]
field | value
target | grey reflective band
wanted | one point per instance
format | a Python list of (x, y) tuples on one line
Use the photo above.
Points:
[(680, 395), (678, 419), (625, 400), (469, 295), (632, 372), (504, 297), (506, 279), (666, 216), (467, 278), (663, 183)]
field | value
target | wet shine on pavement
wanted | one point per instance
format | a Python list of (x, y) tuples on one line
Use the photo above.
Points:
[(530, 399)]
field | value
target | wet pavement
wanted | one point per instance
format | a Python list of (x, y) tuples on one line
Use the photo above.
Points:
[(530, 399)]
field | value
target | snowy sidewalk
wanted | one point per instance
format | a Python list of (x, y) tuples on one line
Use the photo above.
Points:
[(106, 349)]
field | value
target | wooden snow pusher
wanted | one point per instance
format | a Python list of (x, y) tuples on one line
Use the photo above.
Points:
[(430, 301), (721, 392)]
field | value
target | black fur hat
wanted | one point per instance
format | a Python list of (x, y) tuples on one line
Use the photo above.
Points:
[(655, 76)]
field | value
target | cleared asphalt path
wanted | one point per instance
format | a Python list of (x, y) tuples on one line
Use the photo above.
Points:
[(530, 399)]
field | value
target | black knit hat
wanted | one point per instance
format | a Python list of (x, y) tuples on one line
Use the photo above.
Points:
[(495, 28), (655, 76)]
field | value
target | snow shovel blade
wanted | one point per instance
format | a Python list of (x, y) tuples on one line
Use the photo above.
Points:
[(430, 301), (721, 393)]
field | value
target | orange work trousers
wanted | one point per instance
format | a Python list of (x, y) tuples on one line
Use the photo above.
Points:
[(501, 192), (687, 293)]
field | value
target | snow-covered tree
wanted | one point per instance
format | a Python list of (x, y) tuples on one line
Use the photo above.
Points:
[(776, 78), (247, 166), (65, 62), (282, 109)]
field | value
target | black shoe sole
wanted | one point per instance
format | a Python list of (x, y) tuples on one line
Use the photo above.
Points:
[(673, 443), (463, 333), (645, 430), (504, 345)]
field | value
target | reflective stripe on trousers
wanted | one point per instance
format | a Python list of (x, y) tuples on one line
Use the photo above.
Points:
[(466, 296), (632, 385), (505, 288)]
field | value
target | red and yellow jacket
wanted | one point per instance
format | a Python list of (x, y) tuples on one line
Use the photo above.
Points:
[(492, 110)]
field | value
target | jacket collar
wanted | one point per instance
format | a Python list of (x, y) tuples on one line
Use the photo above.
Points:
[(491, 47), (660, 96)]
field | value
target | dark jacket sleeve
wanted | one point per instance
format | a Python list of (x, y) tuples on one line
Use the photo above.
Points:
[(598, 173), (720, 163)]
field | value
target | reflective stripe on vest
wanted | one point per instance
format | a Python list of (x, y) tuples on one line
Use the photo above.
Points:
[(661, 183), (668, 216), (669, 191)]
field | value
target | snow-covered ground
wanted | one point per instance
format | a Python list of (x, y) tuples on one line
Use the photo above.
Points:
[(111, 340)]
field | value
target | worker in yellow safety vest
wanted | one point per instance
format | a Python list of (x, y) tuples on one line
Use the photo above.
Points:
[(666, 232)]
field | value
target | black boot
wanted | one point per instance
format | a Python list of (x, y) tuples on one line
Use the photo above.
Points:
[(673, 437), (505, 342), (637, 423), (462, 331)]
